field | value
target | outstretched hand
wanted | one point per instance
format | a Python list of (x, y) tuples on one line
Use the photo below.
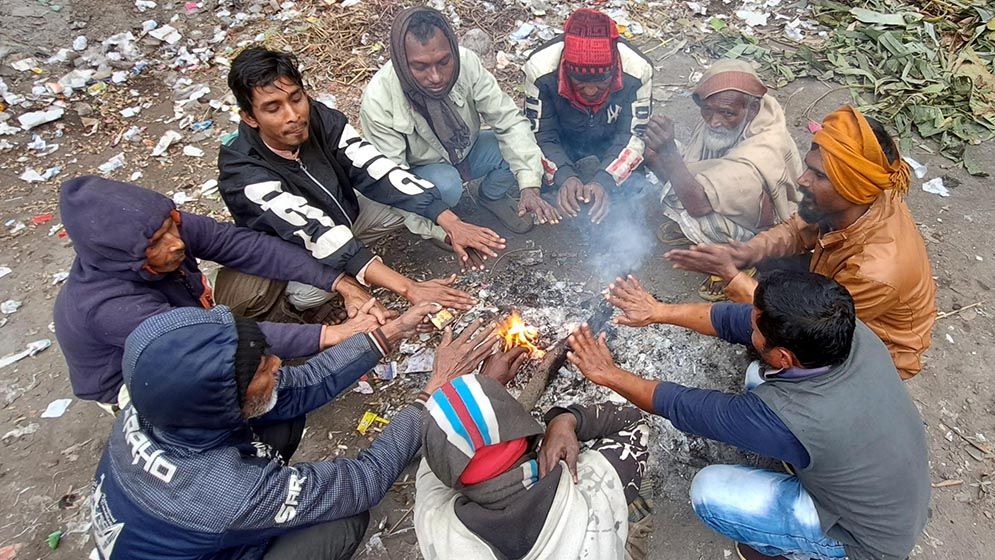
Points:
[(639, 307), (504, 366), (461, 355), (706, 259), (531, 202), (440, 290), (591, 355), (471, 243)]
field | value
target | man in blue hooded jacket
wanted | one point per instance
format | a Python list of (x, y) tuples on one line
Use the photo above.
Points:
[(184, 476), (136, 256)]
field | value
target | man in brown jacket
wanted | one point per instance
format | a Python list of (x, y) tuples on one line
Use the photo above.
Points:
[(861, 234)]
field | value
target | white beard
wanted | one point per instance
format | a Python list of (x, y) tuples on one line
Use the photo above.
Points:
[(256, 409), (718, 141)]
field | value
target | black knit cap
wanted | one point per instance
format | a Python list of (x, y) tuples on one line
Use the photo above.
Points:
[(251, 347)]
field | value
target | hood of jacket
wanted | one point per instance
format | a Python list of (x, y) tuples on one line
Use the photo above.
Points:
[(110, 224), (467, 414), (180, 369)]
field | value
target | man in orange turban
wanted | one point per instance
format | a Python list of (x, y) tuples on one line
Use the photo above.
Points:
[(854, 220)]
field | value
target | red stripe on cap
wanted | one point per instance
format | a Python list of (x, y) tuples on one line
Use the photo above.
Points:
[(464, 415)]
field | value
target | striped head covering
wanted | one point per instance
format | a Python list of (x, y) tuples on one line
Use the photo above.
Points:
[(467, 416)]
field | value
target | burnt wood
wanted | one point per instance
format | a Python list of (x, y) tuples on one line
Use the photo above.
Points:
[(540, 373)]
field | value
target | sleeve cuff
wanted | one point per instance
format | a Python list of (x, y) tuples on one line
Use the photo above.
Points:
[(564, 172), (663, 399), (740, 289), (605, 179), (528, 180), (433, 210), (361, 274)]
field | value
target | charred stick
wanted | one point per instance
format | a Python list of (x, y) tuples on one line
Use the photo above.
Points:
[(541, 373)]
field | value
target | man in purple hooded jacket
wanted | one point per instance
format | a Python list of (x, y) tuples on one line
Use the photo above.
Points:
[(136, 256)]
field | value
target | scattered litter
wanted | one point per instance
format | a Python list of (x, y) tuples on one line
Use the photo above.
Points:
[(327, 99), (210, 189), (192, 151), (43, 218), (31, 175), (112, 165), (180, 198), (753, 18), (814, 127), (697, 8), (39, 145), (55, 229), (167, 34), (363, 388), (935, 186), (129, 112), (4, 271), (167, 140), (59, 277), (54, 539), (387, 371), (369, 417), (17, 227), (917, 168), (56, 408), (19, 433), (79, 43), (135, 176), (206, 124), (24, 65), (950, 339), (523, 32), (37, 118), (143, 5), (32, 349), (442, 319), (10, 306), (421, 361)]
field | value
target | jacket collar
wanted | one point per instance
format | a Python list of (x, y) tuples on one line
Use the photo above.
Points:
[(874, 215)]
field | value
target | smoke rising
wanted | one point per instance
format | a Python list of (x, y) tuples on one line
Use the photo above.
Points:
[(622, 243)]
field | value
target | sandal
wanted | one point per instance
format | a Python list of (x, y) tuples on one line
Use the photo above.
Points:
[(713, 288), (669, 233)]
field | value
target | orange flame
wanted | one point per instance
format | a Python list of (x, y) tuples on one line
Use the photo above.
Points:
[(514, 332)]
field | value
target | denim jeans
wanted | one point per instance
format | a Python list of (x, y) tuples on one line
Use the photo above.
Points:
[(484, 160), (767, 510)]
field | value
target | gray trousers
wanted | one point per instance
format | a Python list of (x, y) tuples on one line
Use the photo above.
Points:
[(334, 540)]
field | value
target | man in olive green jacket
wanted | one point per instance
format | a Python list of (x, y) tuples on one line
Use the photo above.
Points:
[(425, 109)]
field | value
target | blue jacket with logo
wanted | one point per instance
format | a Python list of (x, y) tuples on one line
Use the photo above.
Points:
[(182, 476)]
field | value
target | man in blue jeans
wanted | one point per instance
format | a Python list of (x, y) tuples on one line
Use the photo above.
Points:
[(825, 400), (425, 109)]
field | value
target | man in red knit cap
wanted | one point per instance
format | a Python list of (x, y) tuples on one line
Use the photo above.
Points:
[(588, 96)]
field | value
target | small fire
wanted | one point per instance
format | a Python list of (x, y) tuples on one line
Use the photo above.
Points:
[(514, 332)]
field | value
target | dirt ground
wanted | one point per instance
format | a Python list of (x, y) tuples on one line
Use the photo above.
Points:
[(45, 475)]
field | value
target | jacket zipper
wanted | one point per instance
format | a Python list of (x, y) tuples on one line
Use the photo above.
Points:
[(322, 187)]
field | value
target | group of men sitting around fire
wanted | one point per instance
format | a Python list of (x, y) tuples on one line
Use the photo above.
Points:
[(198, 464)]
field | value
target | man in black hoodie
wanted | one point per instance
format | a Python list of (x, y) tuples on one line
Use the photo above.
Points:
[(298, 170)]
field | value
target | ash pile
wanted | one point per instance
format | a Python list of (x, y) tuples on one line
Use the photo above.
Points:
[(555, 307)]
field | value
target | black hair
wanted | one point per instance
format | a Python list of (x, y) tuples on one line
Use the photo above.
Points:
[(259, 67), (424, 23), (806, 313), (884, 139)]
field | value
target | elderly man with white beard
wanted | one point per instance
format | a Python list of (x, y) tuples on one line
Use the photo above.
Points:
[(737, 174)]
